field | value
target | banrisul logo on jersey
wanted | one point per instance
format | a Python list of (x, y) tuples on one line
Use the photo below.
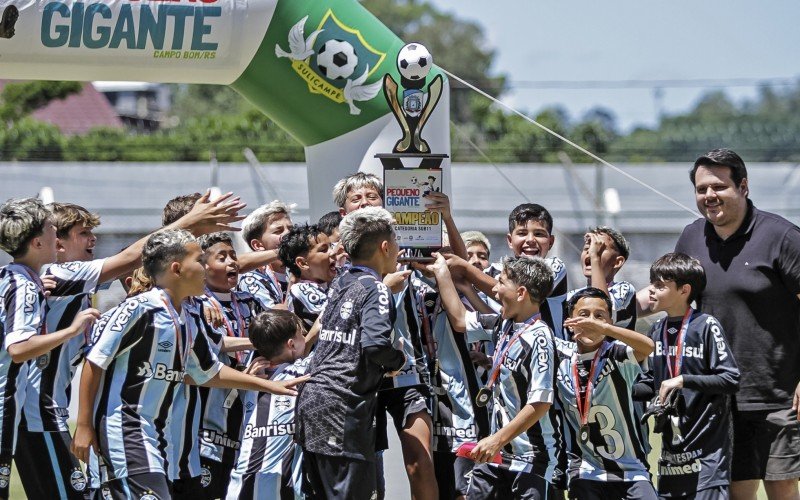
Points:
[(335, 60), (175, 30)]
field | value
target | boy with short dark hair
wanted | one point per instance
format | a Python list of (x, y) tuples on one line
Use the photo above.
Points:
[(28, 234), (132, 394), (307, 254), (607, 457), (530, 228), (336, 408), (605, 251), (518, 459), (692, 357), (222, 410), (270, 462), (263, 230)]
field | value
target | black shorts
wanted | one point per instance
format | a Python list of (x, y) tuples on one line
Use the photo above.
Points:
[(338, 477), (214, 478), (149, 485), (492, 482), (715, 493), (452, 474), (586, 489), (766, 445), (46, 466), (400, 403), (189, 489)]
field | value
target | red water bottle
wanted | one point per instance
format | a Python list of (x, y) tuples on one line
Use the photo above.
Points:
[(465, 451)]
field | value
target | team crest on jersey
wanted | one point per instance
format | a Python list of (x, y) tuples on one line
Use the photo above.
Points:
[(5, 475), (334, 60), (283, 403), (42, 361), (150, 495), (346, 310), (77, 479), (106, 492), (205, 476)]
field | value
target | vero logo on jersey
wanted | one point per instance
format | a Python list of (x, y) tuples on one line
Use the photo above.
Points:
[(159, 372), (123, 316), (719, 339)]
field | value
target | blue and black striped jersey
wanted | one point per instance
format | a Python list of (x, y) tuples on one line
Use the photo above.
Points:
[(146, 349), (270, 462), (222, 409), (267, 286), (526, 376), (22, 313), (307, 300), (50, 375), (615, 450)]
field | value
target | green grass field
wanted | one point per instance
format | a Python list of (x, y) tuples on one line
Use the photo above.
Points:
[(16, 491)]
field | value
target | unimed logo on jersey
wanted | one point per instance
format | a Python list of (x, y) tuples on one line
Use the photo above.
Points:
[(214, 437), (159, 372)]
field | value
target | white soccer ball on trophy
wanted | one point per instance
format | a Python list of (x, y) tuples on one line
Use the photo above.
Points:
[(414, 61), (336, 59)]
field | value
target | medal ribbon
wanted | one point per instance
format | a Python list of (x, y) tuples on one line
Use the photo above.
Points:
[(183, 350), (585, 402), (674, 368), (505, 346), (239, 355)]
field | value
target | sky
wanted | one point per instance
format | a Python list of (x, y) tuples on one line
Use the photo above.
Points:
[(614, 40)]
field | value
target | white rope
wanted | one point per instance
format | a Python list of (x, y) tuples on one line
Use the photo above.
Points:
[(574, 145)]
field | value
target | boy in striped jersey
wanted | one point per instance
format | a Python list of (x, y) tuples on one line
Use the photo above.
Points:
[(307, 254), (222, 410), (44, 434), (692, 357), (530, 228), (269, 464), (595, 375), (262, 230), (28, 234), (518, 459), (142, 352)]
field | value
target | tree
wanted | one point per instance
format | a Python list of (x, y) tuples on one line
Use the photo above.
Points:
[(21, 99)]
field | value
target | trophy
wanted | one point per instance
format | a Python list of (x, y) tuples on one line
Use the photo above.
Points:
[(414, 62)]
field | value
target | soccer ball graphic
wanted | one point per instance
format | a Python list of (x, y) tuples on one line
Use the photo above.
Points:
[(414, 61), (336, 59)]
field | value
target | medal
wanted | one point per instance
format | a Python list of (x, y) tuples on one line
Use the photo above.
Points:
[(584, 434), (483, 397), (583, 403), (503, 346)]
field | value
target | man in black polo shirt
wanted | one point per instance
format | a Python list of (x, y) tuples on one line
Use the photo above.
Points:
[(752, 262)]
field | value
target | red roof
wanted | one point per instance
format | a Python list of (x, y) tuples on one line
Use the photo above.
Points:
[(78, 113)]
